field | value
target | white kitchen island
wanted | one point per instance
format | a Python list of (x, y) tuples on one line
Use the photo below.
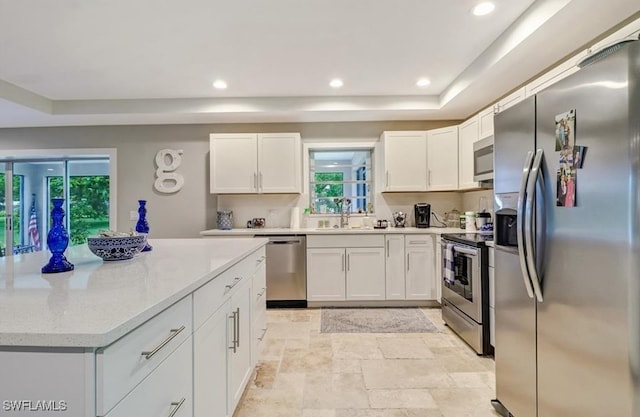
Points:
[(171, 331)]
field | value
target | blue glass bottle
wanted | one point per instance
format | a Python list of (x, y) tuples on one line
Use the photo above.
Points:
[(142, 226), (57, 240)]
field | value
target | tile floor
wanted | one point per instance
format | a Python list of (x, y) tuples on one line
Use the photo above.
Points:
[(305, 373)]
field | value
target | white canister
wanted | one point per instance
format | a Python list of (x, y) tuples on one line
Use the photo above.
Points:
[(470, 220)]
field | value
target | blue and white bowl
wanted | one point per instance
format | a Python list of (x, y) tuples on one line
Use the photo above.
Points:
[(116, 248)]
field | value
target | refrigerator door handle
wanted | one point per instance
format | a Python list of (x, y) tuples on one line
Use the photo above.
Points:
[(528, 223), (520, 223)]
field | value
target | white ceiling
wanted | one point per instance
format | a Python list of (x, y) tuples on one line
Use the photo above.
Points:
[(75, 62)]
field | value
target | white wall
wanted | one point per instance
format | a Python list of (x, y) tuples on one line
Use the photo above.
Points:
[(192, 209)]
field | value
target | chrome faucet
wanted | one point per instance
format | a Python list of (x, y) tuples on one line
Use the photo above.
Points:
[(344, 211)]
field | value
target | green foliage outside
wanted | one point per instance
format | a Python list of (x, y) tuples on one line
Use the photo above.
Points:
[(88, 205), (324, 193), (17, 181)]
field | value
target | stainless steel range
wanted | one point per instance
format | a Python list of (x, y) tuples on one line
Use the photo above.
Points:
[(465, 288)]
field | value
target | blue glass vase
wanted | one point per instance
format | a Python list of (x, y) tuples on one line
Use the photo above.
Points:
[(142, 226), (57, 241)]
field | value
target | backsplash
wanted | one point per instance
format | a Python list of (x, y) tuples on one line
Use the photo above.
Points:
[(471, 200)]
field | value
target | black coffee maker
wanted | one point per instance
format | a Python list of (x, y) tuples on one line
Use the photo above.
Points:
[(422, 213)]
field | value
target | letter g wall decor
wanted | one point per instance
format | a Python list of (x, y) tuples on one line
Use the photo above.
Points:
[(168, 181)]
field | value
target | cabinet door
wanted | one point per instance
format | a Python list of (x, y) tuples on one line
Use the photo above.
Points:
[(394, 267), (326, 274), (365, 274), (239, 360), (233, 163), (485, 122), (442, 159), (210, 351), (469, 131), (405, 161), (420, 274), (279, 163)]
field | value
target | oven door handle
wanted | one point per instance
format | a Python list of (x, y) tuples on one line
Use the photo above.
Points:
[(466, 251)]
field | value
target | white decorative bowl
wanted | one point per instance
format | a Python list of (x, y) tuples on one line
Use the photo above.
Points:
[(116, 248)]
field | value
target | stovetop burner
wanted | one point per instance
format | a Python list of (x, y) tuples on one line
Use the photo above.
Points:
[(472, 239)]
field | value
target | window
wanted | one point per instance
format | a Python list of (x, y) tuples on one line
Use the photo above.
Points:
[(341, 174)]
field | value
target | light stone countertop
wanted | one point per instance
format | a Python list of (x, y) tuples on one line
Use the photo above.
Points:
[(329, 231), (98, 302)]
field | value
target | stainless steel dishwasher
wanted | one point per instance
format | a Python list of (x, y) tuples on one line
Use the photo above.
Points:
[(287, 271)]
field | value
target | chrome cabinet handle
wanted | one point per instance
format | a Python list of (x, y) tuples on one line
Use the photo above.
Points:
[(429, 177), (343, 262), (255, 180), (235, 282), (260, 180), (388, 179), (264, 332), (233, 340), (387, 248), (177, 405), (261, 293), (417, 242), (408, 262), (261, 260), (173, 333), (526, 170), (238, 327), (528, 224)]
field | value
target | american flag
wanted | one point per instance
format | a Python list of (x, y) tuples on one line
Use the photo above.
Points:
[(34, 235)]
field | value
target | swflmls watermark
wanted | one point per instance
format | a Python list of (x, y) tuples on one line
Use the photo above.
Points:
[(31, 405)]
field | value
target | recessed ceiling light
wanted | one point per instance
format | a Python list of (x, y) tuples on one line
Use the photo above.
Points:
[(336, 83), (423, 82), (483, 8), (219, 84)]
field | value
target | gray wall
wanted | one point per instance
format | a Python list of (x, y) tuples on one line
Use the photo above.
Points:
[(192, 209)]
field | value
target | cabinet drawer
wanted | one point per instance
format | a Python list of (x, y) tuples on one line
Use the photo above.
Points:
[(256, 259), (259, 292), (122, 365), (167, 388), (208, 298), (418, 240), (350, 241)]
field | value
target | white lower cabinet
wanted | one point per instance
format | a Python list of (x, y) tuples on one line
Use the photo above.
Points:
[(326, 274), (239, 363), (394, 268), (420, 268), (210, 351), (166, 391), (365, 274)]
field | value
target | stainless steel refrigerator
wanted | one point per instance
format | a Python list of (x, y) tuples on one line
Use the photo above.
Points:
[(567, 254)]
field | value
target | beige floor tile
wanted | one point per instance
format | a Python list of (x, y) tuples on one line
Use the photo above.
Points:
[(306, 360), (473, 379), (265, 374), (314, 412), (272, 348), (458, 359), (405, 398), (402, 347), (355, 346), (293, 382), (347, 366), (327, 390), (404, 373), (463, 399), (269, 403), (424, 412), (388, 412), (288, 330)]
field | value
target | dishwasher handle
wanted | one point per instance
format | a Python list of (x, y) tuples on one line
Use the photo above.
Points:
[(285, 242)]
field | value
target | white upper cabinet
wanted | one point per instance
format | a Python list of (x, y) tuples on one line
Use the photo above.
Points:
[(442, 159), (510, 100), (469, 132), (405, 161), (252, 163), (485, 122), (279, 162), (233, 163)]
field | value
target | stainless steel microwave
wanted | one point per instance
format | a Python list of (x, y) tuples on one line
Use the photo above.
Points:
[(483, 159)]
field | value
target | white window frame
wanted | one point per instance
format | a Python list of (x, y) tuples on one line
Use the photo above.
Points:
[(337, 145)]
